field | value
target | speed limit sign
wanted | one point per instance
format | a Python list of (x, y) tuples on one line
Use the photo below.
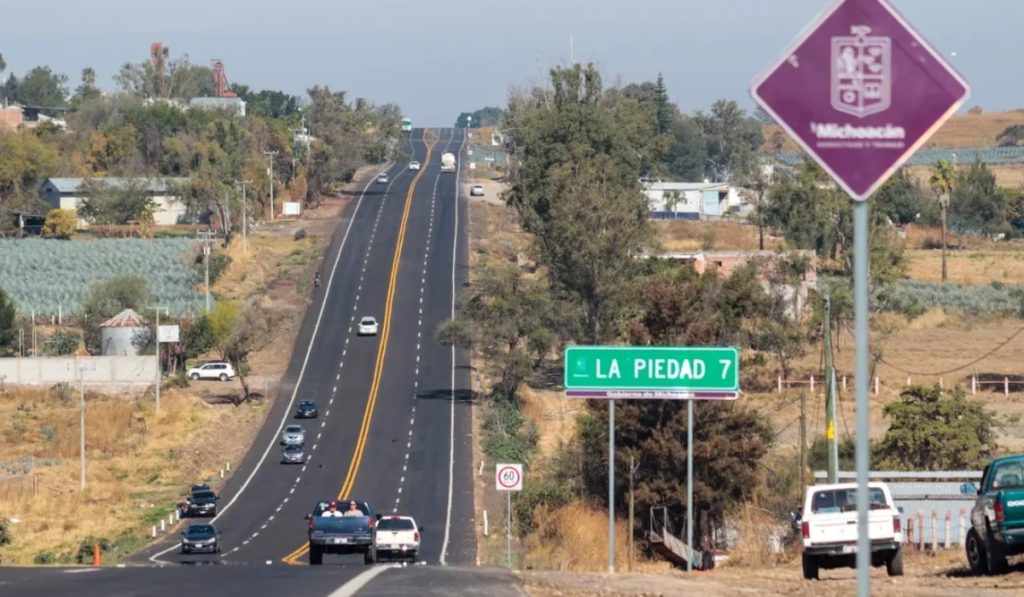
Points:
[(508, 477)]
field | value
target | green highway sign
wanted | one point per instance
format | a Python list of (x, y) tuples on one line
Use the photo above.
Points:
[(667, 373)]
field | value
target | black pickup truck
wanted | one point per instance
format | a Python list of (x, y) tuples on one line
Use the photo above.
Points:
[(334, 531)]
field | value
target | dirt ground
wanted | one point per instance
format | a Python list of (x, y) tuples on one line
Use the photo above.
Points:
[(926, 576)]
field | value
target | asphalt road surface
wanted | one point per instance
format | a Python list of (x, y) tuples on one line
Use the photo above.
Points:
[(394, 425)]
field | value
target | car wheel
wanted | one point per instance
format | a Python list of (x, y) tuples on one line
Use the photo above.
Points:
[(316, 554), (894, 565), (412, 558), (810, 566), (195, 377), (995, 555), (223, 376), (976, 558)]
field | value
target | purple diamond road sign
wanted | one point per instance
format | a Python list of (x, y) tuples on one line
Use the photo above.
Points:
[(860, 91)]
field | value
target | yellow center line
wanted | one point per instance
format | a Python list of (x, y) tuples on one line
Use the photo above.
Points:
[(382, 349)]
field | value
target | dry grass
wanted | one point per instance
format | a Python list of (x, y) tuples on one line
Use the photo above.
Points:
[(687, 235), (967, 267), (554, 416), (138, 464), (574, 538), (755, 527), (963, 130)]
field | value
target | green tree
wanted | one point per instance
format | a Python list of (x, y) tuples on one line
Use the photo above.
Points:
[(977, 206), (177, 78), (489, 116), (1011, 136), (942, 181), (577, 190), (666, 111), (87, 90), (106, 299), (27, 161), (8, 323), (240, 330), (687, 153), (733, 140), (934, 429), (40, 87), (903, 201), (125, 202)]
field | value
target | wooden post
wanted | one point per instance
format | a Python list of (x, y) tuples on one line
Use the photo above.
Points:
[(844, 383), (974, 385), (935, 531), (962, 536), (909, 538), (908, 380), (940, 383), (812, 384), (779, 386), (876, 385), (920, 531), (949, 530), (1006, 386)]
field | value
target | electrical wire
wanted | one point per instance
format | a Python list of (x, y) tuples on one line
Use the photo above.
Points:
[(954, 369)]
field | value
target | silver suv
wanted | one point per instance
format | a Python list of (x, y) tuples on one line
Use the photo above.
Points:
[(293, 435)]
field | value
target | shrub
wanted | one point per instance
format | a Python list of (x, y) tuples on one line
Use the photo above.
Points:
[(299, 234), (60, 223), (44, 557), (84, 554), (62, 343), (6, 537), (507, 435)]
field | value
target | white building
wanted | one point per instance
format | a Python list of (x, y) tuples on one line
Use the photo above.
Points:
[(65, 193), (691, 200), (233, 104)]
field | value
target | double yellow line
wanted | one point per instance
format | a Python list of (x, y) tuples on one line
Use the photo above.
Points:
[(382, 349)]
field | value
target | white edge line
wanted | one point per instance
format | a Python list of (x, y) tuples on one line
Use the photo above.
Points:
[(298, 382), (352, 587), (451, 434)]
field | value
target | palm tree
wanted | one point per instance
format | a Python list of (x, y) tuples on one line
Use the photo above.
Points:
[(942, 181)]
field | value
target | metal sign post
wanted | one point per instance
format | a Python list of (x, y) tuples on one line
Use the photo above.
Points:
[(860, 91), (652, 373), (508, 478)]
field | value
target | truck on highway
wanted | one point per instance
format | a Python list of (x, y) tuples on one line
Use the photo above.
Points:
[(406, 125), (997, 519), (828, 525), (335, 527), (447, 162)]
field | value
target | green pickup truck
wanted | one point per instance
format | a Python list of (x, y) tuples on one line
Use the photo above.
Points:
[(997, 519)]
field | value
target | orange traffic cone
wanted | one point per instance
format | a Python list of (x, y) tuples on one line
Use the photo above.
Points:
[(96, 558)]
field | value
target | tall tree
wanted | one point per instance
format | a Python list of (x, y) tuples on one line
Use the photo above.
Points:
[(943, 181), (40, 87), (8, 323), (665, 108), (733, 140), (977, 205), (577, 190)]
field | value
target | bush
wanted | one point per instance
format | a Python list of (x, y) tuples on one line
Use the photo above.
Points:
[(6, 537), (60, 223), (507, 435), (44, 558), (913, 298), (218, 263), (299, 234), (62, 343), (178, 380), (84, 554)]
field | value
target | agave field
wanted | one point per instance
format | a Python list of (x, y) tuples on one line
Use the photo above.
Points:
[(46, 275)]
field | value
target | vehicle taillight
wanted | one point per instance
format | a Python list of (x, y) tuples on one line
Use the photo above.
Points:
[(372, 523), (310, 522), (897, 526), (805, 529), (1000, 511)]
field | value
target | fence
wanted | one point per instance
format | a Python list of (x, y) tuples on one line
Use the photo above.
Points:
[(95, 371), (977, 383)]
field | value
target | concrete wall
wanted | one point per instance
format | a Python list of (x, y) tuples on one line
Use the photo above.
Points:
[(111, 370)]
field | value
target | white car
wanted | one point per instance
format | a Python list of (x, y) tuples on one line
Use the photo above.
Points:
[(476, 190), (414, 165), (397, 537), (383, 179), (293, 435), (221, 371), (828, 526), (368, 326)]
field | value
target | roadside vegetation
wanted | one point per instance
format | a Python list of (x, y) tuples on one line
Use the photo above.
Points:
[(568, 274)]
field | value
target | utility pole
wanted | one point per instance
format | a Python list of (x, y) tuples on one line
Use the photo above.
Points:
[(270, 158), (632, 470), (245, 216), (803, 440), (157, 337), (611, 486), (81, 424), (832, 444), (206, 265)]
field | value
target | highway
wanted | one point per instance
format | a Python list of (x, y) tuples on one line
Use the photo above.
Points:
[(394, 426)]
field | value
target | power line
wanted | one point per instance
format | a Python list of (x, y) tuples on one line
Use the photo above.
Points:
[(954, 369)]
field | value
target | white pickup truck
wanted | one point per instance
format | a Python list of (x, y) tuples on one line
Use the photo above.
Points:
[(829, 528), (397, 537)]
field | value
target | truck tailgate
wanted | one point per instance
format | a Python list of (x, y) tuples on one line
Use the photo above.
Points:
[(395, 537), (1013, 507), (841, 527)]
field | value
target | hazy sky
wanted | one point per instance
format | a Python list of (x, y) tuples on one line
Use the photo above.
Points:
[(437, 57)]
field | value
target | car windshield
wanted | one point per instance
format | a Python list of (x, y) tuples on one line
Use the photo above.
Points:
[(392, 524), (293, 429), (368, 321), (831, 501), (1008, 474), (200, 530), (307, 404), (293, 448), (202, 495)]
